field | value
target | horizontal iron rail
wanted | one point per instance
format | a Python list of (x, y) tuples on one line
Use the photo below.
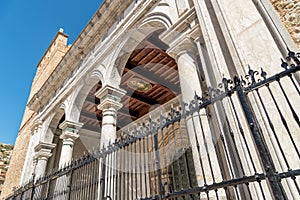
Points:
[(271, 79), (288, 174), (215, 186)]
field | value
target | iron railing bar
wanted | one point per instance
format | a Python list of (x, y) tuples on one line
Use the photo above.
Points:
[(284, 121), (149, 166), (157, 162), (135, 168), (289, 174), (239, 164), (140, 167), (292, 174), (222, 137), (223, 184), (180, 175), (170, 156), (262, 149), (183, 149), (70, 184), (271, 79), (272, 128), (198, 149), (128, 153), (114, 171), (241, 130), (294, 83), (145, 165), (289, 103)]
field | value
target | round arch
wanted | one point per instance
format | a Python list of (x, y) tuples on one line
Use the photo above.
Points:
[(130, 41), (80, 94), (53, 122)]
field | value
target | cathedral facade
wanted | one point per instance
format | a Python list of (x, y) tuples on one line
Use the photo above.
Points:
[(164, 99)]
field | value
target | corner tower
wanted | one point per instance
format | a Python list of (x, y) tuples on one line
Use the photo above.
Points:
[(50, 60)]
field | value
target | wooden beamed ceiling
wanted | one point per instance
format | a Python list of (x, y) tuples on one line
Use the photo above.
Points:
[(154, 67)]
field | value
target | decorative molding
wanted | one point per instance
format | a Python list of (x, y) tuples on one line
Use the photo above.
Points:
[(68, 125), (69, 131), (110, 97), (43, 150), (181, 46)]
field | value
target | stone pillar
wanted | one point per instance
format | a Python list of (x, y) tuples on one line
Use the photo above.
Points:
[(42, 154), (213, 48), (185, 54), (69, 135), (110, 98)]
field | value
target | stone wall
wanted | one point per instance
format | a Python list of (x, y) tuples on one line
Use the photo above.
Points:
[(289, 12), (46, 66), (16, 164)]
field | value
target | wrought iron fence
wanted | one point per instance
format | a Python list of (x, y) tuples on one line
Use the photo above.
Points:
[(239, 141)]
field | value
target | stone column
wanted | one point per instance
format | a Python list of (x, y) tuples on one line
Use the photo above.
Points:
[(110, 98), (185, 54), (42, 154), (69, 135)]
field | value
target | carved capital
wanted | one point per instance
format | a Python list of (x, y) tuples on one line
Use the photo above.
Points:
[(43, 151), (181, 46), (110, 97), (70, 130)]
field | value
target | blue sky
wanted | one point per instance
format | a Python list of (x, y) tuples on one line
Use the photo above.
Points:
[(27, 28)]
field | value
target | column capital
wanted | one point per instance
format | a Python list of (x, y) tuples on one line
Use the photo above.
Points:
[(70, 130), (43, 150), (110, 97), (181, 46)]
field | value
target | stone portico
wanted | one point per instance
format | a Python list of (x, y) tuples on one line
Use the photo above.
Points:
[(122, 68)]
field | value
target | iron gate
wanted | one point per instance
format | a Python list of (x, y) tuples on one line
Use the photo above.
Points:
[(239, 141)]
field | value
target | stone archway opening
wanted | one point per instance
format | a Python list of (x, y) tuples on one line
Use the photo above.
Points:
[(151, 80), (91, 117), (53, 162)]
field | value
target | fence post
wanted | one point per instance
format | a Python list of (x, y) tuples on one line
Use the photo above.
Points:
[(264, 154), (70, 183), (33, 187)]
